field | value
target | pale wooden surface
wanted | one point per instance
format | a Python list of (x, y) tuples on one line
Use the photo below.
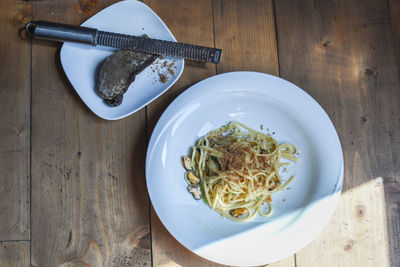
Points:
[(83, 200), (356, 234)]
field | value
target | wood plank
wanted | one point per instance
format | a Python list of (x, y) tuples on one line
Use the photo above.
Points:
[(393, 188), (394, 6), (183, 19), (334, 50), (89, 202), (245, 30), (14, 122), (14, 254)]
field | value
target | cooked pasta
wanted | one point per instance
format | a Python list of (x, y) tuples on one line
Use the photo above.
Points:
[(238, 169)]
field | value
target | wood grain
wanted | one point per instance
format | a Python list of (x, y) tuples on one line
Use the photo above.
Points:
[(356, 234), (89, 206), (14, 254), (14, 122), (336, 52), (394, 6), (245, 30), (190, 22)]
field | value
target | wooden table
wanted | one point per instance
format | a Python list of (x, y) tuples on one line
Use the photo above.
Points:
[(72, 186)]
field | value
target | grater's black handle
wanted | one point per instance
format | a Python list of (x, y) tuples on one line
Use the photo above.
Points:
[(61, 32)]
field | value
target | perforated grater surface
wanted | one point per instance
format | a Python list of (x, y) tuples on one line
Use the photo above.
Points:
[(63, 32)]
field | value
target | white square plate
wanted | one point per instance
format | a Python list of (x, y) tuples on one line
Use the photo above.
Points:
[(80, 61)]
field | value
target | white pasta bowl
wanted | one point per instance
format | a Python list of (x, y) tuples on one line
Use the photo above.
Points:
[(286, 112)]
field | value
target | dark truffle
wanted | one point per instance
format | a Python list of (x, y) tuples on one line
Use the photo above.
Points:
[(118, 71)]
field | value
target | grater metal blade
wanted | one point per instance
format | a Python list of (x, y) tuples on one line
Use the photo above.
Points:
[(69, 33)]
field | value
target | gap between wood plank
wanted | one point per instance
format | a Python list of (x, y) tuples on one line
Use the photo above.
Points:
[(279, 73), (30, 147), (276, 40), (16, 240), (146, 129), (213, 22)]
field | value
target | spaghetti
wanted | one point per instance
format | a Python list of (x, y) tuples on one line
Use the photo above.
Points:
[(238, 169)]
